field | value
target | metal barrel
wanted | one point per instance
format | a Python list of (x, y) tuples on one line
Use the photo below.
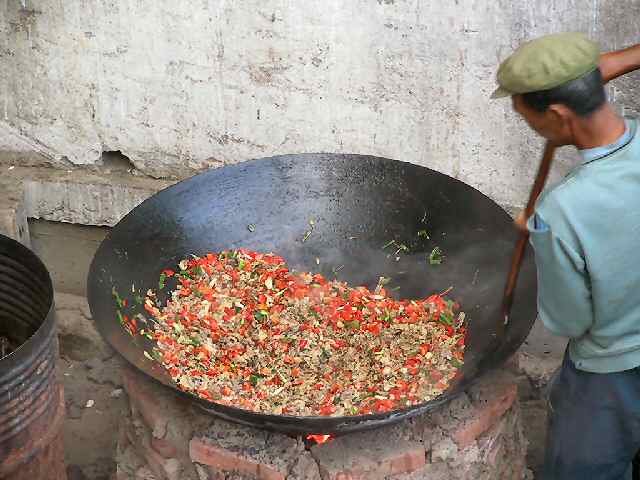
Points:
[(31, 399)]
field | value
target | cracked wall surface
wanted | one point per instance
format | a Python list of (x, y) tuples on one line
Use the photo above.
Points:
[(180, 86)]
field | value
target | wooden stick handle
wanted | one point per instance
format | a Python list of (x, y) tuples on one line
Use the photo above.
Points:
[(521, 244)]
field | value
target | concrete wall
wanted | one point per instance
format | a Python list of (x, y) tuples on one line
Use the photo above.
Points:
[(181, 85)]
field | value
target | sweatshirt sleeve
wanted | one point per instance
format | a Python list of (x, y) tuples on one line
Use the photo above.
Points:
[(564, 294)]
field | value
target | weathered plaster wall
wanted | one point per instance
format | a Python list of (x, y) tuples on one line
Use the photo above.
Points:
[(182, 85)]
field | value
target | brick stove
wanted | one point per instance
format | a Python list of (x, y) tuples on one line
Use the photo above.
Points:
[(476, 436)]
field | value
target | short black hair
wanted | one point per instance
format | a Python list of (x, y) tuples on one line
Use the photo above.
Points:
[(584, 95)]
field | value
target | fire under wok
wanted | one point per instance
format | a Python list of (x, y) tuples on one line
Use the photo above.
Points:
[(357, 205)]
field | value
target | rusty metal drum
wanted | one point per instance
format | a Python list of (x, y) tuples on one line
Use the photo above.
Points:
[(31, 399)]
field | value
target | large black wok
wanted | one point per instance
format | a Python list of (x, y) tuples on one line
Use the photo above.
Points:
[(359, 203)]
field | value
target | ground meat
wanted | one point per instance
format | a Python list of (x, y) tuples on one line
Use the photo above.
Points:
[(241, 329)]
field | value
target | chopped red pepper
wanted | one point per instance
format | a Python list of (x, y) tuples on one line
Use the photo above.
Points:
[(232, 326), (327, 410)]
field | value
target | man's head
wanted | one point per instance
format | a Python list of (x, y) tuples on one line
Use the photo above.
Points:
[(554, 113), (555, 84)]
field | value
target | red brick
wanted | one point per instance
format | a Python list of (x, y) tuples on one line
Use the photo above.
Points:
[(163, 447), (350, 476), (518, 470), (409, 461), (486, 413), (366, 455), (162, 468), (145, 402), (207, 453), (155, 462)]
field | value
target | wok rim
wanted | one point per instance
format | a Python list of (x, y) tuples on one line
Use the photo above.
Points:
[(292, 423)]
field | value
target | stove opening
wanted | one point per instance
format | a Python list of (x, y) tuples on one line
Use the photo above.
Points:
[(312, 440)]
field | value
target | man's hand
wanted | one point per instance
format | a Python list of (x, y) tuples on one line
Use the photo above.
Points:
[(614, 64), (521, 222)]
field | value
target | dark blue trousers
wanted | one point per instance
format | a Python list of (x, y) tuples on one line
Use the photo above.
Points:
[(594, 424)]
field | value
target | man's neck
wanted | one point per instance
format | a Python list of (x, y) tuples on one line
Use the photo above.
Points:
[(601, 128)]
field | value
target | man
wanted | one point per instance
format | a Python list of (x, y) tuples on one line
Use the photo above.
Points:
[(586, 237)]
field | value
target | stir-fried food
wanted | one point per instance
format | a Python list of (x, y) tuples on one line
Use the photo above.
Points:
[(241, 329)]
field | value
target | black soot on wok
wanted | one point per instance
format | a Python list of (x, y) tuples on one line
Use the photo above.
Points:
[(332, 214)]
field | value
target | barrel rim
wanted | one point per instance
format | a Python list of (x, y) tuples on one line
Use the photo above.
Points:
[(17, 251)]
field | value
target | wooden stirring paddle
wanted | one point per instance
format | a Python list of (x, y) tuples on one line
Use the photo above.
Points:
[(521, 244)]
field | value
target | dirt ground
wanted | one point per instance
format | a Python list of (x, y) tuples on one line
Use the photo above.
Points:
[(90, 373)]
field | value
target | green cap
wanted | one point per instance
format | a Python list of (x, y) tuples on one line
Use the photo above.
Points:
[(547, 62)]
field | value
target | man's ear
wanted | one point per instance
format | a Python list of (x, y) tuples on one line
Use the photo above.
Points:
[(560, 113), (563, 118)]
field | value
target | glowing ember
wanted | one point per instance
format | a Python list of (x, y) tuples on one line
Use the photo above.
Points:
[(320, 439)]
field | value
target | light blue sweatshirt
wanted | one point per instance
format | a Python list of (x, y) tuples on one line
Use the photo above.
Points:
[(586, 237)]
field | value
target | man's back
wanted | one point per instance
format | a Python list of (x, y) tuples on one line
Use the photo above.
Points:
[(590, 225)]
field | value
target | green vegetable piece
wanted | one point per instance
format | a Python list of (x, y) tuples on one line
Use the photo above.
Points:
[(456, 363), (388, 244), (436, 257), (120, 318), (446, 318), (253, 379), (260, 314), (338, 268), (163, 277), (116, 296)]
